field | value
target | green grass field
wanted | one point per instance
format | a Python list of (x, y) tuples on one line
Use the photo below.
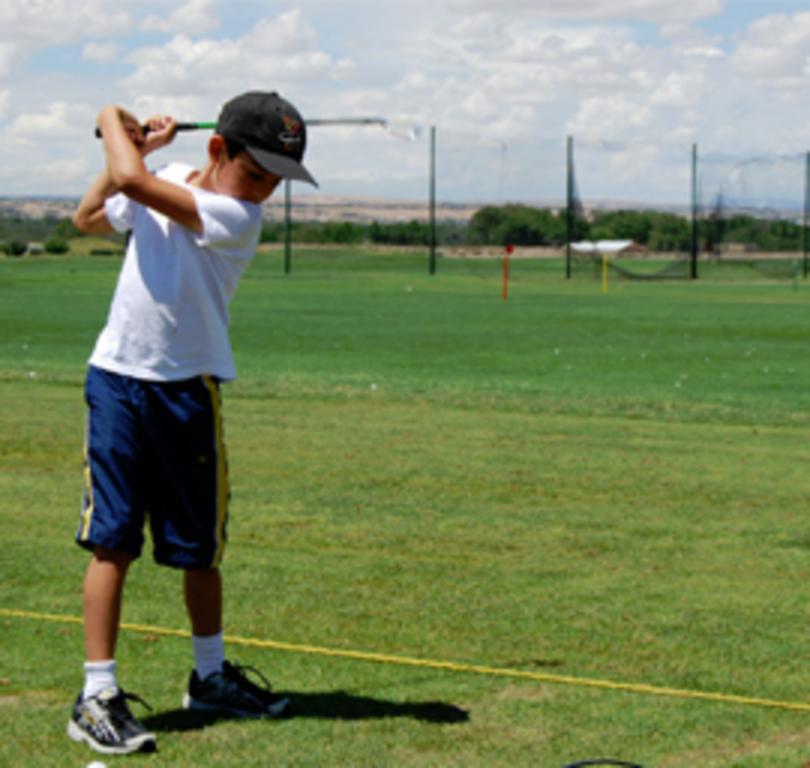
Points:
[(575, 485)]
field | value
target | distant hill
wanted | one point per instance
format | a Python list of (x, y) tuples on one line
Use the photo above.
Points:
[(304, 208), (37, 207)]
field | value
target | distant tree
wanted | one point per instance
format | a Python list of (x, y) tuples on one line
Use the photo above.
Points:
[(657, 230), (669, 232), (450, 232), (272, 231), (484, 224), (56, 245), (65, 229), (516, 224), (781, 236), (399, 233), (343, 232), (622, 225)]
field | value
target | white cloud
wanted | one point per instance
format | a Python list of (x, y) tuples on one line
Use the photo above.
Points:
[(776, 49), (100, 52), (518, 69), (539, 62), (31, 23), (610, 117), (8, 53), (286, 34), (192, 17), (598, 10), (62, 174), (413, 82), (705, 52), (60, 120), (691, 40), (276, 54), (679, 89)]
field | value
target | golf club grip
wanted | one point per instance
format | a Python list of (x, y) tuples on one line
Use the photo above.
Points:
[(180, 127)]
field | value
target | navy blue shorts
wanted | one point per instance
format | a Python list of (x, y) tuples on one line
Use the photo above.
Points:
[(154, 451)]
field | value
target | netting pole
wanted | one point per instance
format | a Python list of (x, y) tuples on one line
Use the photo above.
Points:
[(806, 213), (569, 202), (693, 267), (287, 226), (432, 194)]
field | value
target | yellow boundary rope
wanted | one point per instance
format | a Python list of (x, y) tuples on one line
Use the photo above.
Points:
[(448, 666)]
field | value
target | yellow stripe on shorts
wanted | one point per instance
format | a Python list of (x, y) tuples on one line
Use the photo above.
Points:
[(88, 505)]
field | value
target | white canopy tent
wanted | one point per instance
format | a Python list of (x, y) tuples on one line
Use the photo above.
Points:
[(608, 247)]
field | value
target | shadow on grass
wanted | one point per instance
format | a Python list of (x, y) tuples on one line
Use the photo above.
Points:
[(335, 705)]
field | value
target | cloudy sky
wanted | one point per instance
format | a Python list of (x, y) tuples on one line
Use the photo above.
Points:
[(635, 82)]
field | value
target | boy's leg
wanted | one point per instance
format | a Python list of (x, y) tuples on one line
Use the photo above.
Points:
[(203, 593), (103, 589), (215, 684), (111, 524), (100, 717)]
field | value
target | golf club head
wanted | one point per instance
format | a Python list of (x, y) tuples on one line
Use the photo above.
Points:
[(403, 129)]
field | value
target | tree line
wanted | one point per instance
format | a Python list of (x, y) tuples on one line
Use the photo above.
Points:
[(529, 226), (655, 230), (416, 233), (490, 226)]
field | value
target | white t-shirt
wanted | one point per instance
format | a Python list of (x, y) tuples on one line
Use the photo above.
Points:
[(169, 315)]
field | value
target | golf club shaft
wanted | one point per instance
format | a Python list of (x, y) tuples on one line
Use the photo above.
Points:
[(329, 121), (180, 127)]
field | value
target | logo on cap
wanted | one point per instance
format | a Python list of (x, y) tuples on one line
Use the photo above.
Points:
[(290, 137)]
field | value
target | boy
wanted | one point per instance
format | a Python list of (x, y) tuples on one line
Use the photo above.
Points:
[(154, 445)]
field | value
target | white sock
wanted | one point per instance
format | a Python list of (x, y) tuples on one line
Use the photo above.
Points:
[(208, 654), (98, 676)]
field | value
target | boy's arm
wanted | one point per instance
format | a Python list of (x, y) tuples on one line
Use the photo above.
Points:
[(125, 148), (90, 217)]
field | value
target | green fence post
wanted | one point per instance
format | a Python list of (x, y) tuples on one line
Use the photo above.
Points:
[(693, 268), (287, 226), (569, 202), (806, 212), (432, 202)]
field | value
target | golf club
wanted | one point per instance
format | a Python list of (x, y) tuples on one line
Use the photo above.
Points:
[(401, 129)]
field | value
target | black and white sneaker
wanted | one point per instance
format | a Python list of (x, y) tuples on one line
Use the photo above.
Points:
[(105, 723), (231, 693)]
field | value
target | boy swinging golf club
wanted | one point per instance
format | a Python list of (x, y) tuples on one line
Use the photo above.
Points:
[(154, 446)]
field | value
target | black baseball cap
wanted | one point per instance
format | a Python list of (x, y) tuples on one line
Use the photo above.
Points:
[(271, 130)]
